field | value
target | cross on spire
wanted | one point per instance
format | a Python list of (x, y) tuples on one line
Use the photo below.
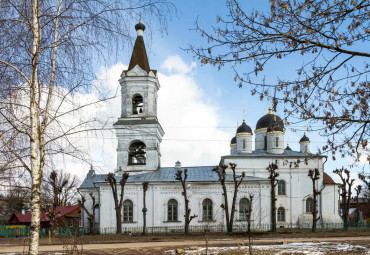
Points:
[(270, 104)]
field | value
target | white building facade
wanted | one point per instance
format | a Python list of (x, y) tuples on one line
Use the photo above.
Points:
[(139, 137)]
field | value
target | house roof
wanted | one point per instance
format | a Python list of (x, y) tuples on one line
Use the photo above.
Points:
[(327, 179), (167, 174), (60, 211)]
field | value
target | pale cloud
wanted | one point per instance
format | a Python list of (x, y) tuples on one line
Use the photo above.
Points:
[(188, 118), (177, 65)]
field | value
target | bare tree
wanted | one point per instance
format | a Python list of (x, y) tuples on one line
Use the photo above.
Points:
[(237, 180), (314, 174), (273, 182), (60, 188), (249, 216), (329, 41), (346, 192), (118, 200), (182, 178), (358, 190), (47, 52), (90, 215), (144, 210)]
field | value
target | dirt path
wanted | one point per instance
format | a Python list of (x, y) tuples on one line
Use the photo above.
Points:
[(160, 247)]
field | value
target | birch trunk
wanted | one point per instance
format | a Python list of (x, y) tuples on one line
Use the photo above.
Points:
[(36, 172)]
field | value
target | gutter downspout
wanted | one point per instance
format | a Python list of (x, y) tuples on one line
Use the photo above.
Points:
[(99, 202), (82, 212), (322, 222)]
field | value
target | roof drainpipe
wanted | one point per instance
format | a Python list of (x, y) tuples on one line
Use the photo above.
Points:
[(321, 219)]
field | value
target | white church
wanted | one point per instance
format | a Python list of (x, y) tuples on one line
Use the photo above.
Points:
[(139, 137)]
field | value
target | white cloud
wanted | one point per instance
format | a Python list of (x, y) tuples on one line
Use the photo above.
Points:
[(188, 119), (190, 123), (177, 65)]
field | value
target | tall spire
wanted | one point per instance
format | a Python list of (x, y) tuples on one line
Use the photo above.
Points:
[(139, 56)]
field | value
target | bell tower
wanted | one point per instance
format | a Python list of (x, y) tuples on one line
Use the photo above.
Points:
[(138, 131)]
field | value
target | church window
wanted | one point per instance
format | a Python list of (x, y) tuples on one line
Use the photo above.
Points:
[(207, 210), (137, 154), (172, 210), (309, 205), (243, 209), (281, 214), (244, 146), (276, 141), (137, 104), (128, 211), (281, 187), (265, 142)]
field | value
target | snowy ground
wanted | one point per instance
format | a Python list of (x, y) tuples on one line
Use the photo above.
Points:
[(292, 248)]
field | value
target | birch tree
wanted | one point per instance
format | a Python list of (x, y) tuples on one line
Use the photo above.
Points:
[(47, 53)]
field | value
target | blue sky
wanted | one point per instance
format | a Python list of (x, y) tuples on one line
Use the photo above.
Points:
[(213, 90)]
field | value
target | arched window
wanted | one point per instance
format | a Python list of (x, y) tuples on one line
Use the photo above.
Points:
[(137, 104), (137, 154), (128, 211), (172, 210), (207, 210), (244, 145), (281, 187), (276, 141), (265, 142), (309, 205), (243, 209), (281, 214)]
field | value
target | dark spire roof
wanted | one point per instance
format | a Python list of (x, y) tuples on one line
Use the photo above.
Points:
[(233, 140), (244, 128), (139, 26), (139, 56), (304, 139), (288, 148)]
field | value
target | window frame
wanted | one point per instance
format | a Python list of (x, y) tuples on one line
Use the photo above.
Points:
[(127, 216), (172, 210), (207, 209), (244, 209), (309, 205), (281, 188), (281, 214)]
